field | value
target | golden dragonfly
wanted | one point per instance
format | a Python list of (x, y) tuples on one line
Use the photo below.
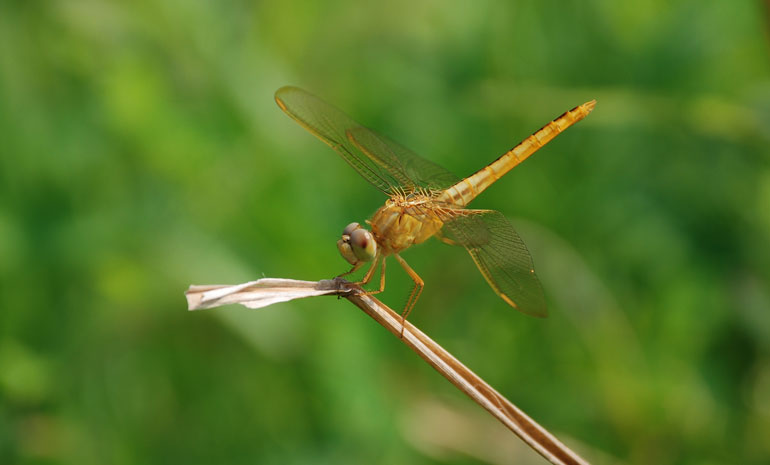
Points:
[(425, 200)]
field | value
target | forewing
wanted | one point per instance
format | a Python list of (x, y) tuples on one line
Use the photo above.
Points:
[(332, 126), (417, 170), (381, 161), (500, 255)]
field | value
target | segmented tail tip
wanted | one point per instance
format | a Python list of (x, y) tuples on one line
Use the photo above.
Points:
[(588, 106)]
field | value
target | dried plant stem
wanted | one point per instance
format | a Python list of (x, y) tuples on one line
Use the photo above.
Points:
[(537, 437)]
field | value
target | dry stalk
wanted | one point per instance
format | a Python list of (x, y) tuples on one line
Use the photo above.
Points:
[(264, 292)]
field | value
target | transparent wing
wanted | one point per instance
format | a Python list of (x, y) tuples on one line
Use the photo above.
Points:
[(381, 161), (500, 255), (418, 171)]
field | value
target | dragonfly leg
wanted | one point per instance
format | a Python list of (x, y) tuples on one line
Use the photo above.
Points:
[(382, 278), (372, 269), (352, 270), (419, 284), (444, 239)]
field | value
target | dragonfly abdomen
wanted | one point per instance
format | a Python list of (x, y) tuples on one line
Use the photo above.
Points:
[(467, 189)]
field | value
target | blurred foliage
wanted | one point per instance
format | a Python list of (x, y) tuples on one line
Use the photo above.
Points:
[(141, 151)]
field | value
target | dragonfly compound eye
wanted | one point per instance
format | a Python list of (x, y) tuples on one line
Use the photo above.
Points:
[(363, 244), (350, 228)]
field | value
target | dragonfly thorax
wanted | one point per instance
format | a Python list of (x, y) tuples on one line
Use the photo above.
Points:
[(402, 223)]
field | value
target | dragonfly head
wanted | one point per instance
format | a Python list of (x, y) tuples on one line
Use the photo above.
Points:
[(357, 244)]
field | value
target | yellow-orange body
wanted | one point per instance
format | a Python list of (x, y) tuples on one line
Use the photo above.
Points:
[(424, 198)]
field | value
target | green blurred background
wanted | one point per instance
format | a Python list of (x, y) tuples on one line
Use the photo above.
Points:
[(141, 151)]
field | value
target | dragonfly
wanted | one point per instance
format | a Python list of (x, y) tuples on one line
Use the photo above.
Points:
[(425, 200)]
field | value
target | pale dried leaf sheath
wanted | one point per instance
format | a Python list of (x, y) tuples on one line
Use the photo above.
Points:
[(258, 294)]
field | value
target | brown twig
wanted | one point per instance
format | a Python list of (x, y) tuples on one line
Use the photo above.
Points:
[(266, 291)]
